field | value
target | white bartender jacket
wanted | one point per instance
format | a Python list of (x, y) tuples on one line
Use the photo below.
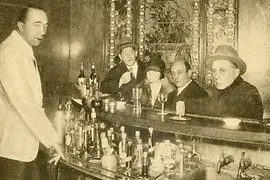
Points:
[(23, 123)]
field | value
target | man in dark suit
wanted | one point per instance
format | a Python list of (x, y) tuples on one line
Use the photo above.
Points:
[(186, 88), (127, 74), (234, 97)]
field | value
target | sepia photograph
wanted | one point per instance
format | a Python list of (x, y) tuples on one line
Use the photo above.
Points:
[(134, 89)]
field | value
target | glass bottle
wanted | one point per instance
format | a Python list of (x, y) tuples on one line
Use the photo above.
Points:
[(98, 142), (79, 136), (104, 141), (129, 155), (59, 122), (81, 77), (93, 77), (138, 153), (157, 166), (123, 150), (69, 134), (137, 137), (113, 138), (145, 164), (97, 102), (109, 162)]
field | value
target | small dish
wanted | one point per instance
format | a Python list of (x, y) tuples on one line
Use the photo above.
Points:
[(232, 121)]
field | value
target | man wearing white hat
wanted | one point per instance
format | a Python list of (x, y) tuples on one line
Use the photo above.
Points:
[(127, 74), (234, 97)]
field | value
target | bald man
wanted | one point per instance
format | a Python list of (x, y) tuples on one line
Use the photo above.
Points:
[(186, 88)]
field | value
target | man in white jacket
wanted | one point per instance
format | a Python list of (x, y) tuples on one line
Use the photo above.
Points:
[(23, 123)]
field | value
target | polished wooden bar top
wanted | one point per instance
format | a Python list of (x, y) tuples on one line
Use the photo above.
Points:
[(248, 131)]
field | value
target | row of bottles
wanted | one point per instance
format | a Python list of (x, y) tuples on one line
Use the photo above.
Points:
[(88, 86), (88, 138)]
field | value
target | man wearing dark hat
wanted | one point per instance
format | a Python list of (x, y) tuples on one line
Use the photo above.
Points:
[(186, 88), (127, 74), (234, 97), (155, 83)]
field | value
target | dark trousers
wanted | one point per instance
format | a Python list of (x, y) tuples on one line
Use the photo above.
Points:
[(17, 170)]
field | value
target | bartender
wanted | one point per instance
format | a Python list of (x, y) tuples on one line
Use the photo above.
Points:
[(127, 74), (233, 97)]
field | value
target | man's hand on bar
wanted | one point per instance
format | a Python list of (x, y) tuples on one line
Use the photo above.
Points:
[(57, 155)]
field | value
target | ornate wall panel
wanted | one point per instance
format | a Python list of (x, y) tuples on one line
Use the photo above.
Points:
[(221, 23), (174, 29)]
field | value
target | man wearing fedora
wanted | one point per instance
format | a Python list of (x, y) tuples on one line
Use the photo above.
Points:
[(234, 97), (186, 87), (127, 74)]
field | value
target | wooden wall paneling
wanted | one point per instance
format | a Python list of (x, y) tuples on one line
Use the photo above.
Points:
[(99, 36), (82, 36), (53, 53)]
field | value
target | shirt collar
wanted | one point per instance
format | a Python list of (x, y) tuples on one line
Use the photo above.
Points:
[(179, 90), (134, 66), (22, 43)]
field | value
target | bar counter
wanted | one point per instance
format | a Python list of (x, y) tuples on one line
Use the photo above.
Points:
[(213, 138), (248, 131)]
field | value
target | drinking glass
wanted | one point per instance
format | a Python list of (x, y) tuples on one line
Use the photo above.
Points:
[(136, 96), (162, 97), (180, 109)]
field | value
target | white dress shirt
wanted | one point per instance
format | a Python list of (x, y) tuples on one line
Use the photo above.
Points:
[(23, 123), (155, 89), (133, 69)]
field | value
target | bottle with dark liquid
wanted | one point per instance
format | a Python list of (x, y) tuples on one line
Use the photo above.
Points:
[(97, 102), (129, 155), (151, 142), (93, 77), (113, 139), (145, 164), (81, 77)]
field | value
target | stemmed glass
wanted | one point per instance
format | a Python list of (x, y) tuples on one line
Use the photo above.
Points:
[(189, 162), (162, 97)]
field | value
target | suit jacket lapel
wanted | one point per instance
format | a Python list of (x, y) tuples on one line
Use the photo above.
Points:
[(186, 92)]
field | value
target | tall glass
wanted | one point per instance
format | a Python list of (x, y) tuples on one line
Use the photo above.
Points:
[(180, 108), (136, 96)]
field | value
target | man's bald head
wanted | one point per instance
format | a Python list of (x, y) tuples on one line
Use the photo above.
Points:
[(180, 71)]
